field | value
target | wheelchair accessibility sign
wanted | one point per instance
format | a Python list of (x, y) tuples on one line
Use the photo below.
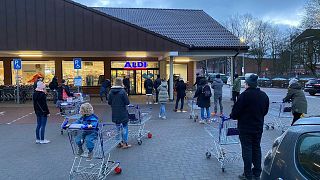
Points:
[(77, 63), (17, 64)]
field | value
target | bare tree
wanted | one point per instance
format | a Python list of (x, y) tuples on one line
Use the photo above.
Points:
[(311, 17)]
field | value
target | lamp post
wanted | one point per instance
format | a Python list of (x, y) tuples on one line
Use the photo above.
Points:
[(242, 42)]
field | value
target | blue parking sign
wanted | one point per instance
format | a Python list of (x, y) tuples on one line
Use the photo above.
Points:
[(77, 63), (17, 64)]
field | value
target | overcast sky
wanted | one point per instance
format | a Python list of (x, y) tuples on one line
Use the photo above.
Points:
[(282, 12)]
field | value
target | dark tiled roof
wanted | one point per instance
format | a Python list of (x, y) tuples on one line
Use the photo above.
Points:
[(194, 28)]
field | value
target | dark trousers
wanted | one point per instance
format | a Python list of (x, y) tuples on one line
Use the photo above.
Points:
[(251, 153), (41, 126), (182, 102), (157, 96), (296, 116), (235, 96)]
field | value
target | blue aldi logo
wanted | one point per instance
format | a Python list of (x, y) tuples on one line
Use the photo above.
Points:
[(135, 65)]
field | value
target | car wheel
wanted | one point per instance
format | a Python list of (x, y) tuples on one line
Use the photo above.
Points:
[(312, 93)]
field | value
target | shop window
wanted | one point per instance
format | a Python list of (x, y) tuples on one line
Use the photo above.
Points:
[(1, 73), (90, 72), (32, 69), (121, 64), (179, 70), (308, 150)]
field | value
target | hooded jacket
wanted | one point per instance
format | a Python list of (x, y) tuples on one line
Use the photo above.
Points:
[(202, 101), (118, 99), (163, 92), (148, 85), (250, 109), (217, 85), (296, 95), (88, 120), (40, 104)]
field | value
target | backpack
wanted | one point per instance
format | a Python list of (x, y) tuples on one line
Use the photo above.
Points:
[(206, 91)]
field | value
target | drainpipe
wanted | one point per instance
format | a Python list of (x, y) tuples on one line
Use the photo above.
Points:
[(232, 71), (171, 78)]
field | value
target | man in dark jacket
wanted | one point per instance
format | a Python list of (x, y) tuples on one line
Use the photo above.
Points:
[(250, 110), (126, 83), (118, 99), (157, 83), (181, 94), (148, 85), (203, 95), (217, 85), (198, 78), (53, 85)]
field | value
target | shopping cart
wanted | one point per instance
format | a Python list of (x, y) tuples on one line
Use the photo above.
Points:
[(137, 121), (72, 105), (225, 136), (68, 119), (279, 116), (100, 166), (193, 107)]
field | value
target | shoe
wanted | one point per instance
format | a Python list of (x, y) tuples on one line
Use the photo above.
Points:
[(164, 117), (126, 146), (45, 141), (37, 141), (201, 121), (90, 155), (160, 116), (175, 110), (155, 103), (147, 102), (256, 177), (243, 177), (80, 151)]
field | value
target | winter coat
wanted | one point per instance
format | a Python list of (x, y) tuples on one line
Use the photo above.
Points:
[(163, 92), (53, 85), (250, 109), (60, 91), (88, 120), (126, 83), (157, 83), (118, 99), (104, 86), (181, 89), (202, 101), (148, 85), (236, 85), (296, 95), (217, 85), (40, 104)]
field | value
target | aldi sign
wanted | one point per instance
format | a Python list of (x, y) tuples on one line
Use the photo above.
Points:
[(141, 65)]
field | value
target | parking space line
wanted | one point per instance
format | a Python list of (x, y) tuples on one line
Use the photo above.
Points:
[(2, 113), (18, 119)]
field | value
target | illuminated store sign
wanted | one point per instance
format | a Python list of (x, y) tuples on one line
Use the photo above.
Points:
[(142, 65)]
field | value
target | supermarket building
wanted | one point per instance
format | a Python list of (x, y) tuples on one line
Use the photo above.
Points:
[(112, 42)]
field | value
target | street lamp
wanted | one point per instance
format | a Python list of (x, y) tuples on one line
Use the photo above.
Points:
[(242, 41)]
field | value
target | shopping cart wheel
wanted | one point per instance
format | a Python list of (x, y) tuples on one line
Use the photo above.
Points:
[(272, 127), (61, 132), (139, 142), (71, 177), (118, 170), (149, 135), (208, 155), (190, 117), (267, 127), (222, 169)]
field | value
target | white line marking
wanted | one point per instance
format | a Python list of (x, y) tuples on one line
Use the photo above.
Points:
[(2, 113), (18, 119)]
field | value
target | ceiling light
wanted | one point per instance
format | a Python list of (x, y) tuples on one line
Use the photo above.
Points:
[(136, 54), (30, 55)]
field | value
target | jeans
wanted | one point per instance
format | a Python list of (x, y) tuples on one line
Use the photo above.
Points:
[(251, 153), (124, 131), (41, 126), (216, 99), (162, 110), (182, 102), (86, 136), (235, 96), (202, 113), (296, 116)]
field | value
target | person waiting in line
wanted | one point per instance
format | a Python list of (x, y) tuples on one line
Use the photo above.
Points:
[(148, 85), (217, 85), (163, 98), (250, 110), (39, 78), (203, 95), (42, 112), (198, 78), (156, 84), (118, 100), (64, 91), (297, 97), (104, 89), (236, 88), (181, 94), (54, 85), (126, 83)]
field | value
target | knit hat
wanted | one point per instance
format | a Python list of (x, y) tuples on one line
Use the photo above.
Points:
[(118, 82), (40, 86), (252, 80)]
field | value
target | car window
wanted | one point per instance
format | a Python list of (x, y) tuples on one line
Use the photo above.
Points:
[(308, 155), (314, 81)]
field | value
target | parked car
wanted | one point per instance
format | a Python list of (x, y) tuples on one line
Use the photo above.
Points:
[(312, 87), (264, 82), (212, 76), (280, 82), (296, 153)]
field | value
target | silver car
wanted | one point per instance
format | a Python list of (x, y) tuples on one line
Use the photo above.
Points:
[(296, 153)]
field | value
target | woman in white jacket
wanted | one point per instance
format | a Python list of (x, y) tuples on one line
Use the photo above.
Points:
[(163, 98)]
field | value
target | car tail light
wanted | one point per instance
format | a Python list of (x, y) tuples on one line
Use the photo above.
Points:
[(317, 84)]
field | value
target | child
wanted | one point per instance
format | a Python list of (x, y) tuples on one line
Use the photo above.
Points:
[(90, 123), (163, 98)]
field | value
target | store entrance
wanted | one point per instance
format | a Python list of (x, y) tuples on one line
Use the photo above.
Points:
[(136, 77)]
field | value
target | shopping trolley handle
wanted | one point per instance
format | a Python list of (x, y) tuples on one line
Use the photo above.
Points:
[(277, 102), (225, 118), (131, 105)]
